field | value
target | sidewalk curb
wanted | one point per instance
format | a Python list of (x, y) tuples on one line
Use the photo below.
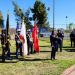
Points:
[(69, 70)]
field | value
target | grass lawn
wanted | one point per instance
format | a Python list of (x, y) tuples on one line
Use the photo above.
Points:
[(39, 64)]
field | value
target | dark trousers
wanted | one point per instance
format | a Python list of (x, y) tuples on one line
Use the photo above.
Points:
[(60, 45), (8, 53), (30, 47), (53, 53), (72, 41), (3, 54), (18, 49)]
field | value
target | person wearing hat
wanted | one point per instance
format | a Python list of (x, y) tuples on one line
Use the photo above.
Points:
[(18, 44), (29, 42)]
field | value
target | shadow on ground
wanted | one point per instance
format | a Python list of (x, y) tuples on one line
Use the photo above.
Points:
[(45, 51), (69, 48), (46, 46), (32, 59)]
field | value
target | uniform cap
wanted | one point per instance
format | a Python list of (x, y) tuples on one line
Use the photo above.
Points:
[(18, 29)]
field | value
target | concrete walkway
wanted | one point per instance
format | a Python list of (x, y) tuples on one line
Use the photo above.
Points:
[(69, 71)]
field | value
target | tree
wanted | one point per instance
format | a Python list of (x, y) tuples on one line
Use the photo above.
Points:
[(40, 13), (71, 26), (20, 15), (1, 19)]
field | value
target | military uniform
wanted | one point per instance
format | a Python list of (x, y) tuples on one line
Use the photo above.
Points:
[(18, 45), (3, 45), (8, 47), (29, 43), (54, 45)]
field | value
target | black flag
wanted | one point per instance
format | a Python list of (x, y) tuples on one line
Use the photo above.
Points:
[(7, 27)]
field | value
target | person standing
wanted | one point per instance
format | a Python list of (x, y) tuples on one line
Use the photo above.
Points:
[(54, 44), (18, 44), (3, 45), (60, 40), (29, 42), (72, 38), (7, 46)]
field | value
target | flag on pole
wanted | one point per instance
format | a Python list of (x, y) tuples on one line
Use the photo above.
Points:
[(7, 28), (7, 25), (35, 37), (23, 38), (3, 24)]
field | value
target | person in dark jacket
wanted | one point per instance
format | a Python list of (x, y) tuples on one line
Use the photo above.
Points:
[(3, 45), (29, 42), (18, 44), (54, 44), (60, 40), (72, 38)]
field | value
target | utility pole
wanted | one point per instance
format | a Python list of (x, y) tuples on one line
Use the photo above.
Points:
[(53, 15), (66, 22)]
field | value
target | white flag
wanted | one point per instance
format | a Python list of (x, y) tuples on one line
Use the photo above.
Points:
[(23, 38)]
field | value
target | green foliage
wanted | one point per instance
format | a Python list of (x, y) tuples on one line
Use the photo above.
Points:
[(1, 19), (39, 13), (20, 15), (71, 26)]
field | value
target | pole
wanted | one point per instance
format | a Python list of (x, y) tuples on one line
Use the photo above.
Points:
[(66, 22), (53, 14)]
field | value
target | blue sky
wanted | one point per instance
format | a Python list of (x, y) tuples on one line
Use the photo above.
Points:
[(63, 8)]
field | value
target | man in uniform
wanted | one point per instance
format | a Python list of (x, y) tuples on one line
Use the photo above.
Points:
[(18, 43), (60, 39), (3, 45), (29, 42), (8, 48)]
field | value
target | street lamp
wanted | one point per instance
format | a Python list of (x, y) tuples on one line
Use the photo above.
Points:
[(53, 14), (66, 22)]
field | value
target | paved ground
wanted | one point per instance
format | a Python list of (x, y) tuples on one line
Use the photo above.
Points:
[(69, 71)]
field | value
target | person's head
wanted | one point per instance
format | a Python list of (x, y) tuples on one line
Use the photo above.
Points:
[(28, 32), (59, 31), (54, 32), (3, 31), (18, 31)]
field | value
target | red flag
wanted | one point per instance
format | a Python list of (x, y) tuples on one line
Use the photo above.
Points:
[(35, 38)]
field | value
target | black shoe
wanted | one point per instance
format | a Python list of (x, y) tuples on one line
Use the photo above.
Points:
[(54, 59), (16, 57)]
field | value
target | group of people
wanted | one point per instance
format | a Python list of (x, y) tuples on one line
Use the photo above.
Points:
[(56, 39), (6, 44), (19, 43)]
